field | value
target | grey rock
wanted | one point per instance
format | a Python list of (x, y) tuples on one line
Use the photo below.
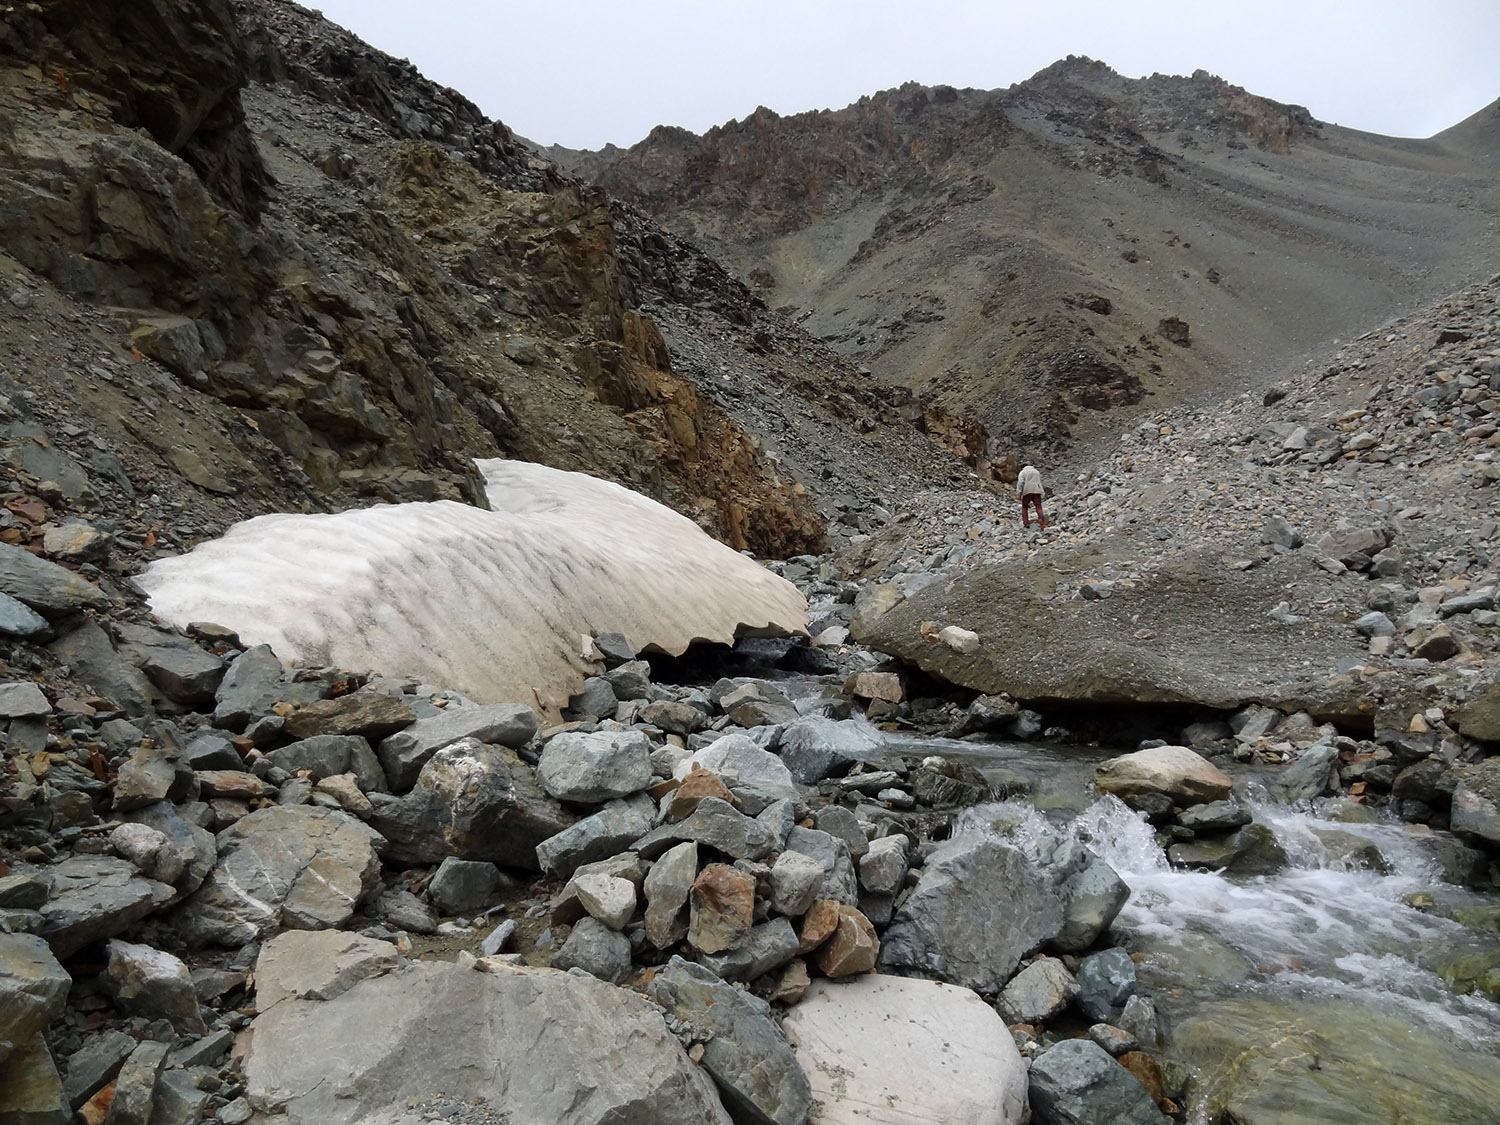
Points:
[(211, 750), (152, 984), (1106, 980), (631, 680), (31, 1092), (92, 656), (840, 883), (135, 1088), (1346, 542), (181, 670), (1091, 892), (371, 715), (1476, 803), (193, 844), (1253, 850), (464, 886), (49, 589), (594, 767), (615, 649), (177, 1100), (667, 886), (673, 717), (596, 701), (1254, 722), (796, 883), (813, 747), (94, 1065), (755, 1069), (1375, 624), (294, 868), (979, 907), (716, 824), (152, 774), (405, 753), (25, 890), (250, 685), (400, 1036), (1040, 991), (1076, 1082), (95, 897), (596, 949), (838, 821), (22, 701), (882, 869), (766, 947), (153, 855), (403, 910), (1216, 816), (1467, 603), (494, 942), (1278, 533), (17, 619), (752, 774), (33, 990), (1310, 775), (1201, 735), (1139, 1020), (328, 755), (607, 898), (474, 801), (609, 831)]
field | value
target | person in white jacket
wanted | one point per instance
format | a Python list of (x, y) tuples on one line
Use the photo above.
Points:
[(1029, 489)]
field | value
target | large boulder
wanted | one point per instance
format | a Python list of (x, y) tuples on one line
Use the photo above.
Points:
[(979, 907), (460, 1041), (299, 867), (152, 983), (95, 897), (753, 1066), (473, 801), (285, 580), (882, 1050), (1078, 1083), (51, 590), (590, 767), (33, 989), (1177, 772), (814, 747), (1077, 651), (1476, 803)]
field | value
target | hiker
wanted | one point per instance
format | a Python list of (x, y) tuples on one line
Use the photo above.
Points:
[(1029, 489)]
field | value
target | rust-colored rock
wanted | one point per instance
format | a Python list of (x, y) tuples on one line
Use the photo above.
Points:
[(369, 714), (884, 686), (722, 908), (853, 946), (818, 924), (233, 784), (699, 783), (1147, 1072)]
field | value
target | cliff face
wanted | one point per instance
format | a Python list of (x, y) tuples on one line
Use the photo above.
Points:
[(1038, 259), (353, 266)]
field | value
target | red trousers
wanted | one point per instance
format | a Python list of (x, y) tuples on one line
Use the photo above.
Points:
[(1028, 499)]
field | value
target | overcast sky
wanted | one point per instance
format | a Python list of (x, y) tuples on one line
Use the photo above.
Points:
[(582, 73)]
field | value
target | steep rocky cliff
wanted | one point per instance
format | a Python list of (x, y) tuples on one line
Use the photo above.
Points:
[(1036, 258)]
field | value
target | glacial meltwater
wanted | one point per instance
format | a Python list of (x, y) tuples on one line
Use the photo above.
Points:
[(1344, 988)]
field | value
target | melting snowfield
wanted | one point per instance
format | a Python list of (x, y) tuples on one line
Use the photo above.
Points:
[(495, 604)]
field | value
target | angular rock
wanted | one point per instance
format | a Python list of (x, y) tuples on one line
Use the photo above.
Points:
[(153, 774), (1176, 771), (813, 747), (33, 990), (832, 854), (1106, 980), (23, 701), (153, 855), (1091, 892), (328, 755), (51, 590), (31, 1093), (721, 908), (743, 766), (1480, 716), (402, 910), (95, 897), (1253, 850), (402, 1036), (1076, 1082), (609, 831), (282, 868), (596, 949), (882, 870), (979, 907), (17, 619), (1310, 775), (371, 715), (344, 789), (796, 881), (475, 801), (673, 717), (883, 1050), (851, 948), (1216, 816), (594, 767), (405, 753), (715, 824), (1476, 803), (464, 886), (631, 680), (596, 701), (667, 887), (195, 846), (819, 922), (838, 821), (698, 784), (180, 669), (92, 656), (606, 897), (153, 984), (95, 1064), (755, 1069), (318, 965), (250, 685), (1040, 991), (766, 947)]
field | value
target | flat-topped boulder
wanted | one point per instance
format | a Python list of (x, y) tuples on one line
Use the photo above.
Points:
[(318, 588)]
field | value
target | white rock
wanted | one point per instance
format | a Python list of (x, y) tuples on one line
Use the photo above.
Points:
[(958, 639), (607, 897), (885, 1050), (479, 607)]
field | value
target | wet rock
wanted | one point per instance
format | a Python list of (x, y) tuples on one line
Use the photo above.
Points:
[(370, 715), (1106, 980), (593, 767), (475, 801), (33, 990), (609, 831), (667, 887), (464, 886), (1215, 816), (755, 1069), (95, 897), (1253, 850), (1175, 771), (1476, 803), (1090, 891), (1040, 991), (1313, 773), (596, 949), (1077, 1083), (282, 868), (877, 1042), (152, 984), (402, 1035), (978, 908), (405, 753)]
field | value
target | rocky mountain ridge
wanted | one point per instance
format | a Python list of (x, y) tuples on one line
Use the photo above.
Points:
[(1037, 258)]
